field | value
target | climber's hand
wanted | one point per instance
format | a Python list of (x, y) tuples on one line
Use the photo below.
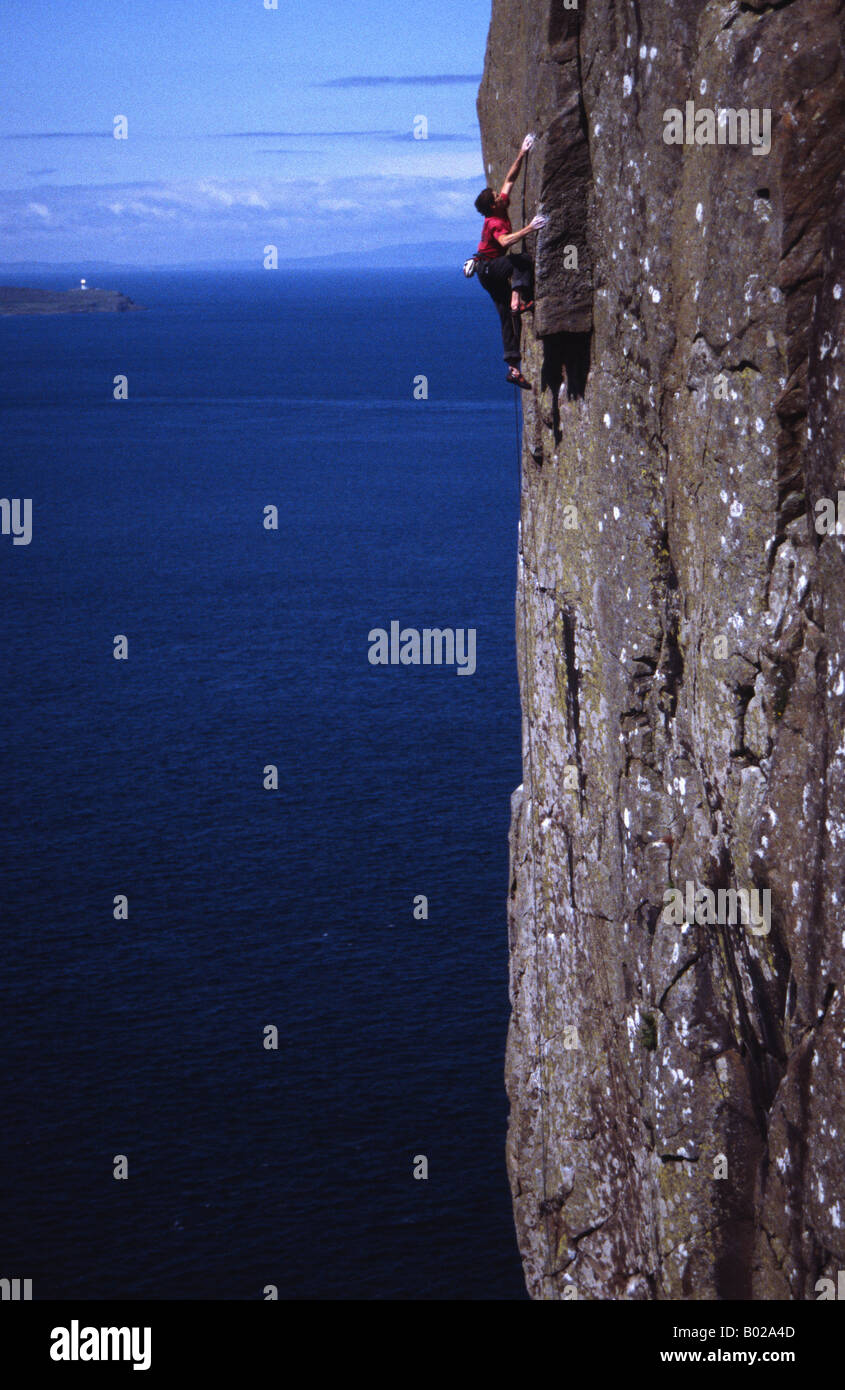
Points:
[(539, 222), (527, 143)]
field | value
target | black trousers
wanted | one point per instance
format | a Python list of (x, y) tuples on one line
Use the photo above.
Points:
[(500, 278)]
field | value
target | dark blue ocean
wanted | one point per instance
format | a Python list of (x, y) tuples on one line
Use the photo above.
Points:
[(144, 777)]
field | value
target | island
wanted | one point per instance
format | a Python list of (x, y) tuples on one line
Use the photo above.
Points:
[(15, 299)]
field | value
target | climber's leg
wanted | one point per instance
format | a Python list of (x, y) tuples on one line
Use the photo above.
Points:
[(522, 279), (516, 378), (510, 332), (495, 277)]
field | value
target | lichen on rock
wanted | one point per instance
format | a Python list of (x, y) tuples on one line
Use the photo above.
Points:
[(677, 1091)]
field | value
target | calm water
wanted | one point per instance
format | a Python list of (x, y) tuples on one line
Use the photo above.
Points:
[(248, 907)]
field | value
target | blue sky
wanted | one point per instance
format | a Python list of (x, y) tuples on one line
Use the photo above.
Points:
[(246, 126)]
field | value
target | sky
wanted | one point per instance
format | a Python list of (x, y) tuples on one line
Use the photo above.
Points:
[(246, 127)]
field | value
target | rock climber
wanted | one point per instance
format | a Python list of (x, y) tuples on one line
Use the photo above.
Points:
[(509, 280)]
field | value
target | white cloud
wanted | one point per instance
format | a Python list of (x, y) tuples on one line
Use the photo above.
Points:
[(228, 218)]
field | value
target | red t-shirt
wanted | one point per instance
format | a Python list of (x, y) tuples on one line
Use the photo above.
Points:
[(488, 247)]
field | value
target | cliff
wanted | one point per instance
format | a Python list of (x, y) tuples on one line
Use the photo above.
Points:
[(677, 1087), (15, 299)]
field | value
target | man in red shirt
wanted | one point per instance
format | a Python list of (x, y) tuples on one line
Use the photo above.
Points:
[(509, 280)]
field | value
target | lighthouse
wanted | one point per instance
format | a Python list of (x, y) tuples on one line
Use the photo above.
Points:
[(83, 285)]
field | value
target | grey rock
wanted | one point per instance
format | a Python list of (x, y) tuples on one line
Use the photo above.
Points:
[(681, 641)]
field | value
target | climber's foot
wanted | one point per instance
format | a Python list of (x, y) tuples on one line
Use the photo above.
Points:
[(516, 378), (514, 303)]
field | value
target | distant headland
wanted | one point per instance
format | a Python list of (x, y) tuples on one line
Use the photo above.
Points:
[(14, 299)]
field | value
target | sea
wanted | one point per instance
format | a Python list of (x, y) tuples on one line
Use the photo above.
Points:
[(156, 1144)]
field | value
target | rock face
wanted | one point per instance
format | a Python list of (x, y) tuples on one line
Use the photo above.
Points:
[(677, 1083), (16, 299)]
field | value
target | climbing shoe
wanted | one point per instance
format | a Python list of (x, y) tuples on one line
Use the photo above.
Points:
[(524, 308), (516, 378)]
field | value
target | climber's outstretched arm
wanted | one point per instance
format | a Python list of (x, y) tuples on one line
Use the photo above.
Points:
[(516, 166), (533, 226)]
